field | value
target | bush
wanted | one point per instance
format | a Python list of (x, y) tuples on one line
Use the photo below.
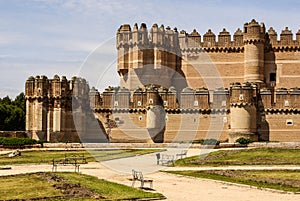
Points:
[(5, 141), (243, 140), (210, 142)]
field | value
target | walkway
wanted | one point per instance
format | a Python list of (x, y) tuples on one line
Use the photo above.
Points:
[(174, 187)]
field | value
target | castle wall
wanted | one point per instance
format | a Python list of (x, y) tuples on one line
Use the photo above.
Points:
[(283, 127)]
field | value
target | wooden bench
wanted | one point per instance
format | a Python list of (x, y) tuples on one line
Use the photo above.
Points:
[(165, 159), (74, 160), (181, 154), (138, 176), (63, 163)]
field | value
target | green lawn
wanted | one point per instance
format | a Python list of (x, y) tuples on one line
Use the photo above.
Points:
[(49, 187), (286, 180), (259, 156), (39, 157)]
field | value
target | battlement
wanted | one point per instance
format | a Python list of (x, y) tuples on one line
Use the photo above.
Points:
[(40, 87), (253, 32)]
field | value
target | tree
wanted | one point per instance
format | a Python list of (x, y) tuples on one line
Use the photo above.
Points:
[(13, 113)]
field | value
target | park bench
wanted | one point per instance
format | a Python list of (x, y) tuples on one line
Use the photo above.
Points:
[(181, 155), (165, 159), (138, 176), (74, 160)]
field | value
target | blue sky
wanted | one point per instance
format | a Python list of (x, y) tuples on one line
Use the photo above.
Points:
[(47, 37)]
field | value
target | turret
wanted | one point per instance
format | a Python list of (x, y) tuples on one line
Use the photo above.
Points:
[(238, 37), (224, 38), (254, 39), (272, 36), (94, 97), (209, 39), (242, 112), (286, 37), (194, 39)]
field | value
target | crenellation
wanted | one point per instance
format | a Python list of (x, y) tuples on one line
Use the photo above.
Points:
[(258, 94), (286, 37), (209, 39)]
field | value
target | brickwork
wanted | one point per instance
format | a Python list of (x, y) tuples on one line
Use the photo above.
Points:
[(179, 87)]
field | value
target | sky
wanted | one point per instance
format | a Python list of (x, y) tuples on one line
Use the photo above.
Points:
[(77, 37)]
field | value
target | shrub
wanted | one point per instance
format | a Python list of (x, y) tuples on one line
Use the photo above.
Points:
[(5, 141), (210, 142), (243, 140)]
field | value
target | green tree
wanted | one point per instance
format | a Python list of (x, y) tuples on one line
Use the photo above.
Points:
[(13, 113)]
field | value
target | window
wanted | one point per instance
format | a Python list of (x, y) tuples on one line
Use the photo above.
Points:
[(151, 101), (116, 104), (196, 103), (139, 103), (165, 103), (224, 119), (272, 77), (224, 103), (140, 118), (286, 103), (289, 122), (241, 97), (166, 118)]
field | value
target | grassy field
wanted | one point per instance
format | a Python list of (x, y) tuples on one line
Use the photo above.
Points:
[(39, 157), (67, 186), (279, 180), (271, 156)]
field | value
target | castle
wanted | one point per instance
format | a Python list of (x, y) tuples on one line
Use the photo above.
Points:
[(177, 87)]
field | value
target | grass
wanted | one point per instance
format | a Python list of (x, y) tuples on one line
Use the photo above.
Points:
[(40, 157), (29, 186), (26, 187), (259, 156), (285, 180), (112, 191)]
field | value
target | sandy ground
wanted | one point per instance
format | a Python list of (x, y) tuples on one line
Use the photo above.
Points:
[(174, 187)]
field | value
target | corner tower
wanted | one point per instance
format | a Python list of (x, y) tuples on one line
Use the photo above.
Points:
[(254, 41)]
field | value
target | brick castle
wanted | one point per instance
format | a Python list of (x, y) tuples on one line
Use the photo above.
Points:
[(178, 87)]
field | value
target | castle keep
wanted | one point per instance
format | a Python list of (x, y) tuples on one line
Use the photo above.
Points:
[(176, 87)]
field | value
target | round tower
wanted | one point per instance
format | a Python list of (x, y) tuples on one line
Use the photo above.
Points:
[(242, 112), (254, 39)]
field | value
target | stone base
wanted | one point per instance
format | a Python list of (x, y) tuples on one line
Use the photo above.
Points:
[(236, 135)]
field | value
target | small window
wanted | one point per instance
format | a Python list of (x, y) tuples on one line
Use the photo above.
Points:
[(224, 119), (289, 122), (286, 103), (165, 103), (150, 101), (223, 103), (272, 77), (139, 103), (196, 103), (166, 118), (116, 104), (241, 97), (140, 118)]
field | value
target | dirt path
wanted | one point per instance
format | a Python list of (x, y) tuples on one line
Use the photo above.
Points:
[(174, 187)]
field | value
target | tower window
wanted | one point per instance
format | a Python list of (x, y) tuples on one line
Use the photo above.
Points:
[(116, 104), (165, 103), (272, 77), (223, 103), (286, 103), (196, 103), (140, 118), (241, 97), (151, 101), (139, 103), (289, 122)]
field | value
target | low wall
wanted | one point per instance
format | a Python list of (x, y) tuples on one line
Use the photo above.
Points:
[(14, 134)]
